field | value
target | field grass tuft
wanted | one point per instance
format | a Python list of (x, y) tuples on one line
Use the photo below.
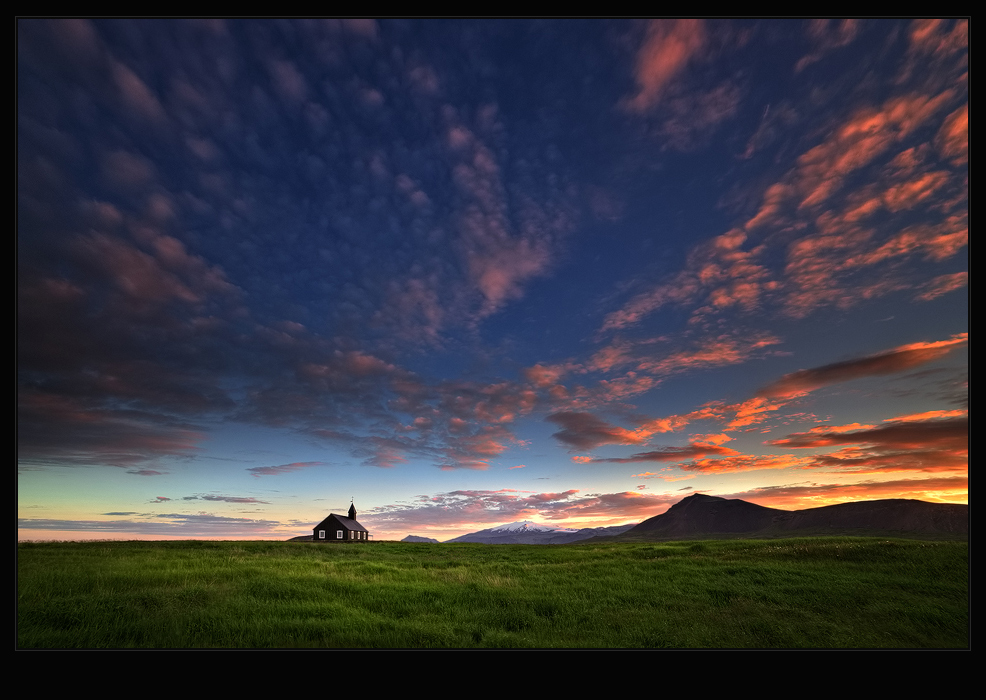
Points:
[(838, 592)]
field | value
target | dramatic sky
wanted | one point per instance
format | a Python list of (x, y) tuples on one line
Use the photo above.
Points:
[(473, 272)]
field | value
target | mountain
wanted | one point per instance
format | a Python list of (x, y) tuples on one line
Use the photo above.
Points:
[(700, 515), (526, 532), (416, 538)]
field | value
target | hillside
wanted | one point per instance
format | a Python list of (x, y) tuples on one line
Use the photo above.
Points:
[(701, 515)]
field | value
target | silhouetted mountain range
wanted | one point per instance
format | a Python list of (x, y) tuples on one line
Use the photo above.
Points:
[(700, 515)]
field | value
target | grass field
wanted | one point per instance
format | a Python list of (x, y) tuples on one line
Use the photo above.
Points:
[(807, 592)]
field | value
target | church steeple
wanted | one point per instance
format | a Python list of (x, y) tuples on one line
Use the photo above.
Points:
[(352, 511)]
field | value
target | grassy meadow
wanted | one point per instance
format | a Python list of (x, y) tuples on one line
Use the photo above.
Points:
[(784, 593)]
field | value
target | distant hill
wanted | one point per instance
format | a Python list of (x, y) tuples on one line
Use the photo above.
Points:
[(700, 515), (526, 532), (416, 538)]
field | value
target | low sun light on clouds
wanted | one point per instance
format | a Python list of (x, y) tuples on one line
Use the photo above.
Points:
[(457, 275)]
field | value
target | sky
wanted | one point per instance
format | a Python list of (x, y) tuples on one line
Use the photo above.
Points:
[(465, 273)]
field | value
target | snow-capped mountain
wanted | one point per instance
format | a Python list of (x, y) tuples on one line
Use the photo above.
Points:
[(527, 526), (527, 532)]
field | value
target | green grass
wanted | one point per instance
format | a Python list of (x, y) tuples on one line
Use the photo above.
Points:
[(791, 593)]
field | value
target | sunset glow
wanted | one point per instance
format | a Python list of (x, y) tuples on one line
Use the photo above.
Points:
[(466, 273)]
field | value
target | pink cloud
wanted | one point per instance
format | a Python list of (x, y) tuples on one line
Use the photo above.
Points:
[(670, 45), (449, 514), (544, 376)]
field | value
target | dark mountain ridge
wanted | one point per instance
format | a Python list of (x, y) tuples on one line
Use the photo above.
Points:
[(699, 515)]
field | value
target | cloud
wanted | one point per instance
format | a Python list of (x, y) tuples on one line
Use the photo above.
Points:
[(691, 117), (910, 434), (890, 362), (128, 171), (670, 454), (288, 80), (182, 525), (814, 241), (931, 442), (475, 510), (136, 96), (943, 284), (936, 38), (670, 45), (826, 35), (953, 137), (734, 416), (585, 431), (226, 499), (866, 135), (720, 274), (53, 429), (743, 463), (798, 496), (282, 468)]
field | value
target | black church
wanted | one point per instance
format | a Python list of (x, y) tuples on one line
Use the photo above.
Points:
[(339, 528)]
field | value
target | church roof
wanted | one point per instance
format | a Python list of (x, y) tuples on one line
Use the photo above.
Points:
[(347, 523)]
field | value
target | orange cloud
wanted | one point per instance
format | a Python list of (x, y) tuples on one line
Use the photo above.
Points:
[(743, 463), (794, 497), (720, 273), (930, 444), (840, 428), (953, 137), (933, 36), (870, 132), (928, 415), (751, 411)]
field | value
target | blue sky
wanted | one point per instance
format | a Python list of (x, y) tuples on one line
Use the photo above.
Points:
[(472, 272)]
